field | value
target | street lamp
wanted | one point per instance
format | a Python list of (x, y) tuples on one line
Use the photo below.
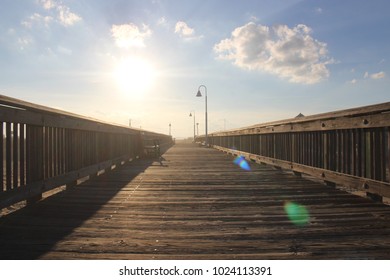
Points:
[(199, 94), (194, 122), (197, 129)]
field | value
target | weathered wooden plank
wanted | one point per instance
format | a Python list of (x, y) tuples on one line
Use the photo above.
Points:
[(197, 205)]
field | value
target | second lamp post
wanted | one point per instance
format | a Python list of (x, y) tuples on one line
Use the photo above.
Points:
[(194, 123), (199, 94)]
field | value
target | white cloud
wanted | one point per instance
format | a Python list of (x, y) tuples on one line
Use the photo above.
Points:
[(286, 52), (377, 76), (374, 76), (37, 19), (183, 29), (64, 15), (129, 35), (186, 32), (47, 4)]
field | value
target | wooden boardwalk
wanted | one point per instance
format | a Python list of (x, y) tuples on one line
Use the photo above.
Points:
[(197, 205)]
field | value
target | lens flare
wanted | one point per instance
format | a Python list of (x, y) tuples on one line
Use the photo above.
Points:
[(297, 213), (241, 162)]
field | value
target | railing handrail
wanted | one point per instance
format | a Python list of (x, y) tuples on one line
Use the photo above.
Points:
[(14, 103), (358, 112)]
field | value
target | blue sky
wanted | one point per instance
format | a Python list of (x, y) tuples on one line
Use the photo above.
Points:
[(144, 60)]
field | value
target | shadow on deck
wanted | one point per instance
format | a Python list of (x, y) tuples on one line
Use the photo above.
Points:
[(197, 205), (33, 231)]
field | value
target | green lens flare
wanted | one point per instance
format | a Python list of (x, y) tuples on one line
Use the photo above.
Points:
[(297, 213)]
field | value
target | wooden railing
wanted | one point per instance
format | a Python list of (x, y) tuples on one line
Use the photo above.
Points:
[(43, 148), (349, 147)]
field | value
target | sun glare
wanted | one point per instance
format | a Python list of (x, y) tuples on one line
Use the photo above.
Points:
[(134, 75)]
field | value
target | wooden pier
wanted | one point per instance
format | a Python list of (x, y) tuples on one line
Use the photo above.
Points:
[(118, 201), (197, 204)]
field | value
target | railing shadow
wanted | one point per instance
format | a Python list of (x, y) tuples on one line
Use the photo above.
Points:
[(32, 231)]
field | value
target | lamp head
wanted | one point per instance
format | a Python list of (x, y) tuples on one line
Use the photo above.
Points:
[(190, 114), (199, 94)]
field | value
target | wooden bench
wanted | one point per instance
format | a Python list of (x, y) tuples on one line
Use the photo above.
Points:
[(152, 150)]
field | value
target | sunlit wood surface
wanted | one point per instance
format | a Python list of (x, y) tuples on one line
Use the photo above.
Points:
[(197, 204)]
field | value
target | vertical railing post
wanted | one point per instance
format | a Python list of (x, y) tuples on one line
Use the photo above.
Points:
[(8, 144), (388, 155), (34, 139), (2, 157), (15, 156)]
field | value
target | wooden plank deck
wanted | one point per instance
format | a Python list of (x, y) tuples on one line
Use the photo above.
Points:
[(197, 205)]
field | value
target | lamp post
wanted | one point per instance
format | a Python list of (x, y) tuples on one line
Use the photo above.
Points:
[(194, 122), (199, 94), (197, 129), (169, 129)]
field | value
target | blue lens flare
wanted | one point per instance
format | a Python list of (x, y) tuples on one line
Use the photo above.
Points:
[(241, 162)]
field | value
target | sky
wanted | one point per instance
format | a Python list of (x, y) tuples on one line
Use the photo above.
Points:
[(142, 62)]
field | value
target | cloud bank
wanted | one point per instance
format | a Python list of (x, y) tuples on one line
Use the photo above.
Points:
[(289, 53)]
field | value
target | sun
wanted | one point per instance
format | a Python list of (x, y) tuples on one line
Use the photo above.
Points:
[(134, 75)]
